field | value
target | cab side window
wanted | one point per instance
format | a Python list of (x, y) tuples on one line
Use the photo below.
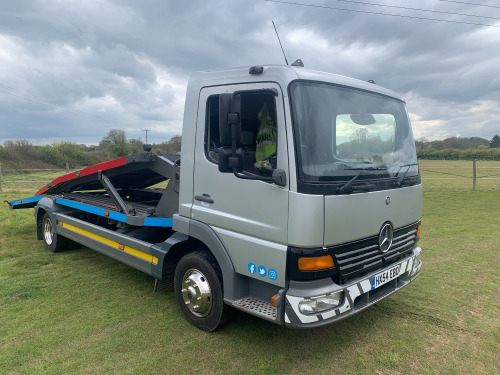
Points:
[(258, 132), (212, 138)]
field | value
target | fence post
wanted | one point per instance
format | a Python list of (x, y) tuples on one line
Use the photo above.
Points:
[(67, 167), (474, 174), (0, 177)]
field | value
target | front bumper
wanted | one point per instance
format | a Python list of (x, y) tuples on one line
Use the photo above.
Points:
[(358, 293)]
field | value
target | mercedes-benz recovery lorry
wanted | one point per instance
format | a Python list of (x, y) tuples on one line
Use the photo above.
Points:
[(296, 198)]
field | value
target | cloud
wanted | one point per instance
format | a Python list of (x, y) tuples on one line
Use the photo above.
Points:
[(73, 70), (436, 119)]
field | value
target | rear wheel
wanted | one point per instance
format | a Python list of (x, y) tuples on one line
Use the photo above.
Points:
[(198, 290), (53, 241)]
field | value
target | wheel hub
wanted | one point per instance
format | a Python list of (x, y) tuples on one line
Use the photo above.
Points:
[(196, 293), (48, 232)]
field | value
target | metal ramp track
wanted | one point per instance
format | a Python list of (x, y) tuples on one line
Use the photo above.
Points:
[(106, 202)]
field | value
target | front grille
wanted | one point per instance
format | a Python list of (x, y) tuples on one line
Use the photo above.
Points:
[(357, 258)]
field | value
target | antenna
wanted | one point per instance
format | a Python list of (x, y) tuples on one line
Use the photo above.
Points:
[(280, 43)]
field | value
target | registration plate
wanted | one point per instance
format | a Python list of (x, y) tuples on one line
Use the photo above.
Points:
[(386, 276)]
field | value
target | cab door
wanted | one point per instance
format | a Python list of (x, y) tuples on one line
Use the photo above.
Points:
[(249, 216)]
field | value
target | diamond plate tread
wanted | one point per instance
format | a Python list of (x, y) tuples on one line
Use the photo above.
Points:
[(256, 307)]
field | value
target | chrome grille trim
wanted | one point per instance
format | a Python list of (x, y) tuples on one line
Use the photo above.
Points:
[(357, 258)]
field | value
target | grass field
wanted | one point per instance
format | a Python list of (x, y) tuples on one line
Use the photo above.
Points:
[(458, 174), (28, 180), (80, 312)]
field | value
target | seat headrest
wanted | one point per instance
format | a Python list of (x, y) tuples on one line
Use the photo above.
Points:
[(247, 138)]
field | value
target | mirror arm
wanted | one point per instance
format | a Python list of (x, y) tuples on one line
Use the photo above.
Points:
[(278, 178), (251, 177), (233, 140)]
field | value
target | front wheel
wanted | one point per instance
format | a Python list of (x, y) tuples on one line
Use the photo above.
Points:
[(198, 290), (53, 242)]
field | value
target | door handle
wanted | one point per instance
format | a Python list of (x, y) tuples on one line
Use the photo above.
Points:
[(204, 198)]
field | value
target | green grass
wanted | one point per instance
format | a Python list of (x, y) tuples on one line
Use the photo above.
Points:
[(80, 312), (457, 174), (29, 180)]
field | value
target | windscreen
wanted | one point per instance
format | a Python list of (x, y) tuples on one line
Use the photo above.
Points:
[(342, 132)]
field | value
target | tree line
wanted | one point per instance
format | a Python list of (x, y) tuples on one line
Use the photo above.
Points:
[(22, 154), (459, 148)]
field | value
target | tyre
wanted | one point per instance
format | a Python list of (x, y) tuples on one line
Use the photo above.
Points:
[(53, 242), (198, 290)]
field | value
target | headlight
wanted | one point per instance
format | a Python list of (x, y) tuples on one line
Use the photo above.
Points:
[(319, 304)]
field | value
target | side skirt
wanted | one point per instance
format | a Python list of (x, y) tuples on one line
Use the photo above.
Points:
[(128, 250)]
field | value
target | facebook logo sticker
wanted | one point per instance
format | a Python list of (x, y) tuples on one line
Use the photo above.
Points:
[(252, 268)]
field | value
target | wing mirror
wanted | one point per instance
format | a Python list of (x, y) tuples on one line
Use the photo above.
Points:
[(231, 155)]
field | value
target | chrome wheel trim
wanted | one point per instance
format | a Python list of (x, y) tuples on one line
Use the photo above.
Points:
[(48, 232), (196, 293)]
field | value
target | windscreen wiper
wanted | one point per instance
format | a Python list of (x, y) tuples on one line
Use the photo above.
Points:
[(400, 181), (348, 184)]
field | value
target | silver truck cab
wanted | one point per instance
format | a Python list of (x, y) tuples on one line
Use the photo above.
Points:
[(331, 225)]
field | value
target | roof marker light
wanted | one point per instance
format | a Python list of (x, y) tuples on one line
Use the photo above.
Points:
[(298, 62), (256, 70)]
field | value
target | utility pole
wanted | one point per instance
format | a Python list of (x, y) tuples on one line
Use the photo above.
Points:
[(146, 130)]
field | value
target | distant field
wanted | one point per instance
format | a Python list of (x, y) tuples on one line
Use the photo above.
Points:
[(457, 174), (31, 180), (80, 312), (438, 174)]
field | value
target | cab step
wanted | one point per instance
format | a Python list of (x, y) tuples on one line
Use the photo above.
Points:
[(167, 282), (256, 307)]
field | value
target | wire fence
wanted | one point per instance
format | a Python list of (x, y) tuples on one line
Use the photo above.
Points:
[(436, 174), (460, 174), (28, 179)]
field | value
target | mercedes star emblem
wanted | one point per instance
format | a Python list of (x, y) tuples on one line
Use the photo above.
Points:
[(385, 237)]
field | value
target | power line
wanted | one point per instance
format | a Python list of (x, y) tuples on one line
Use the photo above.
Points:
[(381, 14), (417, 9), (29, 97), (46, 102), (465, 3), (39, 100)]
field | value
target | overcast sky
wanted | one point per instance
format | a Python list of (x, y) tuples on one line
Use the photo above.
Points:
[(73, 70)]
